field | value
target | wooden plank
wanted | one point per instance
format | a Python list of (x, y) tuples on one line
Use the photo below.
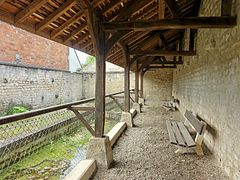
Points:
[(81, 108), (85, 123), (170, 133), (194, 122), (178, 134), (187, 137), (29, 10), (176, 23), (226, 7), (162, 53), (75, 32), (52, 17)]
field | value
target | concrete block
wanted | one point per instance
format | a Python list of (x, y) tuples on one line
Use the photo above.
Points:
[(141, 101), (137, 107), (133, 112), (100, 149), (116, 131), (127, 117), (83, 171)]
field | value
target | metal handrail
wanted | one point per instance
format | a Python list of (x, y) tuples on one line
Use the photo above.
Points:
[(17, 117)]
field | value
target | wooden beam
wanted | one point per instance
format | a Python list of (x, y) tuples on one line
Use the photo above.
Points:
[(65, 25), (173, 8), (98, 39), (29, 10), (75, 32), (129, 9), (192, 39), (116, 101), (126, 78), (52, 17), (161, 9), (81, 108), (226, 8), (176, 23), (162, 53), (85, 123), (136, 83), (141, 83), (2, 1)]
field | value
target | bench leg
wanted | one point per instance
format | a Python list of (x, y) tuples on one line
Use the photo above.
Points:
[(199, 150)]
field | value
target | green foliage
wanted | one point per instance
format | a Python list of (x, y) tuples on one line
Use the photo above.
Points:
[(89, 60), (15, 110)]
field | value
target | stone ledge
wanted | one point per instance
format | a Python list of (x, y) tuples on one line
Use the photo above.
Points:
[(116, 131), (83, 171)]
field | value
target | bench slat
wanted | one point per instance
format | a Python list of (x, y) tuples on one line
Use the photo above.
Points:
[(188, 139), (178, 134), (194, 121), (170, 133)]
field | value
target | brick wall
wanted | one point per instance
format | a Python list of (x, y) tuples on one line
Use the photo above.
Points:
[(32, 49), (209, 85), (157, 85)]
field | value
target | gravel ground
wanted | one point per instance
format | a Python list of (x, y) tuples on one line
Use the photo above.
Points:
[(144, 152)]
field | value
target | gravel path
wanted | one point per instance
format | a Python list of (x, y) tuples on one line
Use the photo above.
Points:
[(144, 152)]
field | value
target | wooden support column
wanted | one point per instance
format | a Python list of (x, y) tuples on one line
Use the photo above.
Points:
[(226, 7), (98, 38), (136, 83), (141, 83), (126, 78)]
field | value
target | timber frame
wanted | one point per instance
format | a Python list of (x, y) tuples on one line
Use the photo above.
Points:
[(136, 35)]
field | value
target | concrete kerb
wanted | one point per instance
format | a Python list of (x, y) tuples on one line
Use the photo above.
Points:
[(116, 132), (137, 107), (141, 101)]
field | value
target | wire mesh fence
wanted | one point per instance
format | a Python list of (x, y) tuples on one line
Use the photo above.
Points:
[(48, 146)]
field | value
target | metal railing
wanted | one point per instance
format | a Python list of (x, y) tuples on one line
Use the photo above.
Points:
[(47, 142)]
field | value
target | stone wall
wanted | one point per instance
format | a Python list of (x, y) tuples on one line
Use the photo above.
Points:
[(157, 84), (209, 85), (22, 47), (39, 87)]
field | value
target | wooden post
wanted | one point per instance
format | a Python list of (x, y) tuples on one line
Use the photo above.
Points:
[(136, 83), (98, 38), (126, 79), (141, 83)]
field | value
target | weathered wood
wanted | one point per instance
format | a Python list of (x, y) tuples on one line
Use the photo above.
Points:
[(195, 123), (29, 10), (2, 1), (186, 135), (52, 17), (85, 123), (162, 53), (178, 135), (176, 23), (126, 78), (65, 25), (116, 101), (161, 9), (226, 8), (136, 83), (173, 8), (170, 133), (75, 32), (98, 38), (192, 39), (81, 108), (141, 83)]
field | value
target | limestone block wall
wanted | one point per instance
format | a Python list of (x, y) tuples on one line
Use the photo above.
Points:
[(41, 87), (157, 84), (209, 85)]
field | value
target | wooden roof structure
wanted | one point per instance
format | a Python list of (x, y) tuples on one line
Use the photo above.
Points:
[(153, 30)]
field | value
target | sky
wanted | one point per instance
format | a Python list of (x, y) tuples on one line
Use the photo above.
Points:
[(73, 61)]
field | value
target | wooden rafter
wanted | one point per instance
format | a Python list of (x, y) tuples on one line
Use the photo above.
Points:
[(161, 9), (29, 10), (176, 23), (173, 8), (2, 1), (52, 17)]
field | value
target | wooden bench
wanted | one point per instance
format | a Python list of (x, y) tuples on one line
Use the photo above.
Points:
[(180, 136)]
